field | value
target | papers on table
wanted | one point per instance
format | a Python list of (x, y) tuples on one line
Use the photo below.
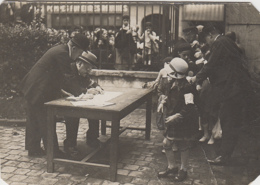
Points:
[(98, 100)]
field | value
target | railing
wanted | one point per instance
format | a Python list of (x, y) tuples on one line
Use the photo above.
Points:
[(101, 21)]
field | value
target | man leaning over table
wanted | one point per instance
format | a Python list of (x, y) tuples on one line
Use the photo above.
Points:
[(82, 85), (43, 83)]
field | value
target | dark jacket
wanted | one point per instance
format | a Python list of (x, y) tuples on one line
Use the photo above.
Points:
[(49, 75), (124, 41), (225, 71), (187, 125)]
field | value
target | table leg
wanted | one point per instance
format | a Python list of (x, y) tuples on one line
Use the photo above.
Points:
[(114, 148), (103, 127), (50, 140), (148, 118)]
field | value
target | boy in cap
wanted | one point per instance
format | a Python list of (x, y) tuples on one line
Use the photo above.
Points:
[(180, 119), (125, 46), (43, 83)]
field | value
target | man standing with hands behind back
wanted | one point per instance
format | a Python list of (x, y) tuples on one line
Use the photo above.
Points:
[(43, 83)]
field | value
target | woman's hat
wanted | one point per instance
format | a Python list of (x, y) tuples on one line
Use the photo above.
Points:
[(89, 58), (81, 41), (177, 68)]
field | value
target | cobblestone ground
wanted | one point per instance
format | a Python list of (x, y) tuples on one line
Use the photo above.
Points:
[(139, 161)]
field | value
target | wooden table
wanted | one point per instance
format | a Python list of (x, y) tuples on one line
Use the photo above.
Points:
[(124, 104)]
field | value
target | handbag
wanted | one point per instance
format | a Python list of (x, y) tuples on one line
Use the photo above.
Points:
[(217, 131)]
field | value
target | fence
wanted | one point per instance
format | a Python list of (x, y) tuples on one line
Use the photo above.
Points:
[(101, 21)]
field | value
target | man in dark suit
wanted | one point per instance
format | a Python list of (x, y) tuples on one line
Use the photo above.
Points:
[(43, 83), (230, 88)]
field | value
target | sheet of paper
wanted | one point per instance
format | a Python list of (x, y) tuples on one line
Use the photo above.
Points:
[(98, 100)]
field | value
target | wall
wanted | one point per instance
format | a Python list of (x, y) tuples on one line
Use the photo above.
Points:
[(119, 78), (244, 20), (128, 79)]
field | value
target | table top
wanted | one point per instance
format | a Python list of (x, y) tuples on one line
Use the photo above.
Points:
[(129, 97)]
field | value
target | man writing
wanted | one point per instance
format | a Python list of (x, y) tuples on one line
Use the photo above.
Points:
[(43, 83)]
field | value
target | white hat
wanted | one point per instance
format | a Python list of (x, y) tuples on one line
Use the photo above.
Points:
[(177, 68)]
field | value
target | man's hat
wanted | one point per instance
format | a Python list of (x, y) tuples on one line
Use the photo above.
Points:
[(81, 41), (89, 58), (191, 29)]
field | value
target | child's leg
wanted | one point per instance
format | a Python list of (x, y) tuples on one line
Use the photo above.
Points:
[(169, 153), (205, 126), (185, 159), (182, 175), (172, 167), (149, 58)]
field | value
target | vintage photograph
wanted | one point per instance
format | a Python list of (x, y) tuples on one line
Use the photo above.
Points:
[(129, 92)]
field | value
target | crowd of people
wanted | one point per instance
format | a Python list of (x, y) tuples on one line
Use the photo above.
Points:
[(125, 49), (202, 84)]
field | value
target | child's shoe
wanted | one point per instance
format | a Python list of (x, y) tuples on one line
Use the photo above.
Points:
[(204, 138), (182, 175), (211, 141)]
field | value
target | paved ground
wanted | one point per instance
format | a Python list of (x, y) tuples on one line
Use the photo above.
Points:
[(139, 161)]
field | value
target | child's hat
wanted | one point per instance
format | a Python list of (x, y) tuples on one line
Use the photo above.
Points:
[(89, 58), (177, 68)]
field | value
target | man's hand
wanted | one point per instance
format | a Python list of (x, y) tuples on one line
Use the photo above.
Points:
[(191, 80), (100, 90), (93, 91), (87, 96), (198, 87)]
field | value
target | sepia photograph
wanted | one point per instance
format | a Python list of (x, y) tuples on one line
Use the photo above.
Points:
[(129, 92)]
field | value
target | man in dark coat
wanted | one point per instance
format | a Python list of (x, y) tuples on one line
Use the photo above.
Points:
[(230, 88), (43, 83)]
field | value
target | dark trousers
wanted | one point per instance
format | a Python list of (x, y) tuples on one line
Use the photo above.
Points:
[(231, 118), (72, 126), (36, 127)]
